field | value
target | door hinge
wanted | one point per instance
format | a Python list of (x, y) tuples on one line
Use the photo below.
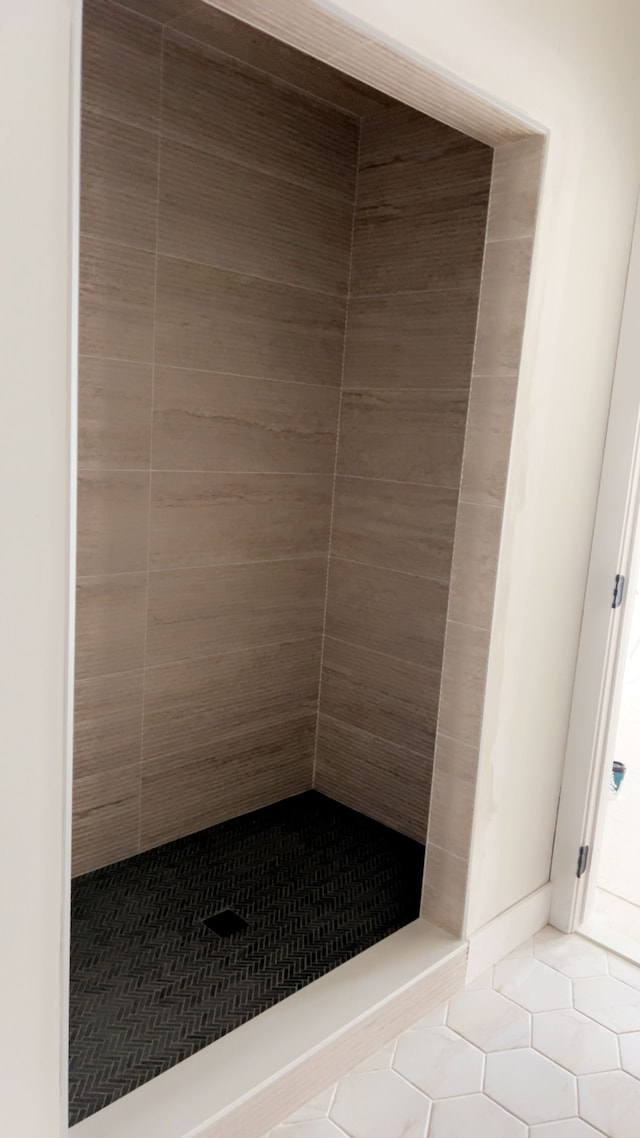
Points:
[(618, 590), (583, 857)]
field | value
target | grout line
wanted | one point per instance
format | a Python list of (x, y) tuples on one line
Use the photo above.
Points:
[(337, 451), (231, 473), (96, 109), (231, 652), (244, 275), (467, 624), (153, 343), (386, 655), (208, 371), (398, 482), (422, 755), (203, 565)]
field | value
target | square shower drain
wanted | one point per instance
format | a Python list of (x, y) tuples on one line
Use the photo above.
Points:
[(225, 923)]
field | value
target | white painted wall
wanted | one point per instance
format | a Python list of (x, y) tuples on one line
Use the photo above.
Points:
[(568, 64), (34, 492), (573, 67)]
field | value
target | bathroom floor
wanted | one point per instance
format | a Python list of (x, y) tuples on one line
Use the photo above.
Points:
[(544, 1045), (151, 982)]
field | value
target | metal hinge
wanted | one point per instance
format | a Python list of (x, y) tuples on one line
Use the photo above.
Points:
[(618, 590), (583, 857)]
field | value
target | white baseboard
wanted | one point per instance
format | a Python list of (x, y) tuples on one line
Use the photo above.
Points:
[(505, 932)]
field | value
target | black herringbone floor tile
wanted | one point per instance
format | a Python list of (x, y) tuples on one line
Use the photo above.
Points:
[(150, 983)]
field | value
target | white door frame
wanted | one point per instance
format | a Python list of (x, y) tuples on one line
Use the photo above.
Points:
[(605, 630)]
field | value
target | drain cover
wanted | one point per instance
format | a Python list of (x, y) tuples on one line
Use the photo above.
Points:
[(225, 923)]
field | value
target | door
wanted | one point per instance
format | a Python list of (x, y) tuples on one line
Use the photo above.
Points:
[(605, 632)]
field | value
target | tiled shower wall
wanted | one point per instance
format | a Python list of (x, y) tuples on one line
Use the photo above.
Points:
[(421, 212), (216, 224), (217, 216)]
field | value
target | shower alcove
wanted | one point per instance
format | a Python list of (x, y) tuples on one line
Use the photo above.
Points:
[(301, 311)]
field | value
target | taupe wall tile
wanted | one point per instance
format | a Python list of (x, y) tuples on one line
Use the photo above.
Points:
[(116, 301), (112, 521), (514, 193), (410, 436), (216, 103), (218, 321), (119, 184), (464, 673), (401, 149), (389, 698), (207, 519), (503, 301), (394, 525), (108, 723), (374, 776), (246, 221), (204, 421), (162, 10), (114, 414), (418, 240), (422, 339), (110, 623), (475, 564), (105, 817), (120, 63), (444, 889), (189, 706), (453, 796), (396, 613), (197, 612), (488, 440), (244, 772), (226, 34)]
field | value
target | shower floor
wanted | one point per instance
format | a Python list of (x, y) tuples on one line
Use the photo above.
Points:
[(151, 983)]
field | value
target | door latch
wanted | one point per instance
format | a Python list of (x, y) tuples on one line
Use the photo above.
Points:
[(618, 591)]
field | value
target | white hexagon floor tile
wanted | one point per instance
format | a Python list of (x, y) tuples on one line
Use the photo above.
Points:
[(380, 1061), (435, 1018), (566, 1128), (490, 1021), (474, 1116), (318, 1128), (318, 1107), (530, 1086), (439, 1063), (608, 1001), (624, 970), (379, 1104), (572, 955), (575, 1042), (532, 984), (630, 1053), (611, 1102)]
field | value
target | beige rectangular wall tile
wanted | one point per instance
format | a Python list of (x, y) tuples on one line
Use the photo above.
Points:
[(384, 781), (189, 706), (387, 611), (394, 525), (110, 623), (422, 239), (401, 149), (515, 188), (204, 421), (284, 63), (120, 63), (108, 723), (116, 301), (444, 890), (246, 221), (242, 772), (105, 817), (119, 183), (453, 796), (488, 440), (209, 519), (217, 104), (475, 564), (410, 436), (464, 674), (422, 339), (114, 414), (112, 521), (503, 303), (196, 612), (218, 321), (387, 697)]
